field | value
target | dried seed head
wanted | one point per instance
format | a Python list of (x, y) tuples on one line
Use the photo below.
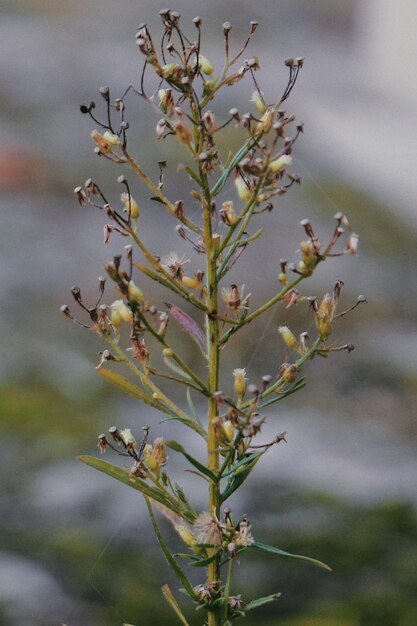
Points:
[(232, 297), (183, 133), (80, 194), (102, 443), (228, 214), (288, 372)]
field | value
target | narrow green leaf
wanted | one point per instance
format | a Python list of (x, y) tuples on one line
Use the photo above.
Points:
[(176, 368), (192, 408), (136, 483), (169, 597), (168, 556), (238, 479), (243, 462), (174, 445), (187, 422), (260, 601), (130, 388), (288, 555)]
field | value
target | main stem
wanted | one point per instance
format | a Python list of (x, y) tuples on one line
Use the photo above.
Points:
[(212, 325)]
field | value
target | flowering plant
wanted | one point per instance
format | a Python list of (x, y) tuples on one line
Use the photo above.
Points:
[(260, 169)]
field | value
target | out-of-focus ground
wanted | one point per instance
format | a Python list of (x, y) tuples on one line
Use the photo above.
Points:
[(74, 547)]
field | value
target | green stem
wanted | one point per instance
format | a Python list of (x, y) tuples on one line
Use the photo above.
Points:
[(305, 357), (158, 193), (279, 296)]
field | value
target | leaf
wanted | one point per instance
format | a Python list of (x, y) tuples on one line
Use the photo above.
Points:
[(242, 462), (288, 555), (188, 422), (192, 408), (260, 601), (169, 597), (238, 478), (168, 556), (174, 445), (136, 483), (130, 388), (175, 368), (188, 324)]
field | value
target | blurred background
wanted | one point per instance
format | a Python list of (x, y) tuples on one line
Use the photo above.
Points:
[(76, 548)]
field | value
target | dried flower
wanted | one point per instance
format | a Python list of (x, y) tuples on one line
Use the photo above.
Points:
[(208, 529), (243, 537), (173, 263), (324, 316), (227, 213)]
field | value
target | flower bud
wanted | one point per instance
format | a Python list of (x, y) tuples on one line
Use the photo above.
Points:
[(243, 190), (259, 101), (160, 451), (127, 438), (239, 375), (279, 164), (324, 316), (205, 65), (120, 312), (133, 205), (229, 430), (149, 456), (135, 294), (265, 123), (106, 142), (288, 337)]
